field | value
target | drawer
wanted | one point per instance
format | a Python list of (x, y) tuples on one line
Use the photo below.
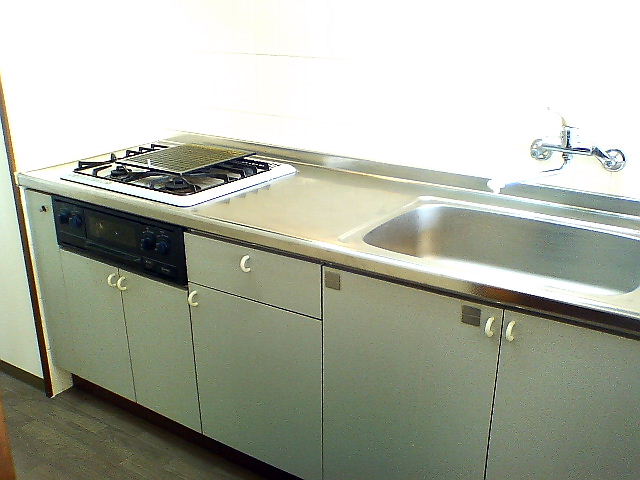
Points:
[(266, 277)]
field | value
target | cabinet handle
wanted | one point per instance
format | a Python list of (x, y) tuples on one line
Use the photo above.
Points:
[(121, 287), (110, 281), (509, 331), (243, 264), (190, 298), (487, 327)]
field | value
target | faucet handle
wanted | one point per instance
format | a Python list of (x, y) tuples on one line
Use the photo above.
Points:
[(538, 151), (612, 160)]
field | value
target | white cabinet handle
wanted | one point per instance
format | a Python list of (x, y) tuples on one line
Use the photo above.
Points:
[(190, 298), (243, 264), (509, 331), (487, 327), (119, 285), (110, 281)]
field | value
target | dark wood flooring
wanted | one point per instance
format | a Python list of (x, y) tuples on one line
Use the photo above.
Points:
[(79, 436)]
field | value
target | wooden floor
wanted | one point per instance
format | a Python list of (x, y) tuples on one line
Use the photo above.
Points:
[(78, 436)]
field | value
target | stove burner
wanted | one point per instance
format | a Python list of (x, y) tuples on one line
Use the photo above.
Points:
[(120, 171), (137, 169), (172, 184)]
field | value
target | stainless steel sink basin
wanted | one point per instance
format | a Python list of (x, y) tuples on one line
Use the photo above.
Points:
[(478, 241)]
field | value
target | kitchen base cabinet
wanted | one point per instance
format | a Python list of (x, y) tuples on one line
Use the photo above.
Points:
[(161, 347), (93, 343), (260, 379), (408, 387), (129, 334), (566, 404)]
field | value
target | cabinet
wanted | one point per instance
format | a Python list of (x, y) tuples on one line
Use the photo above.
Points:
[(93, 343), (259, 366), (393, 383), (566, 404), (259, 374), (161, 347), (408, 387), (128, 334)]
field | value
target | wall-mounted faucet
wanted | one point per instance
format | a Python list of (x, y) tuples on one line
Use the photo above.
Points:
[(612, 160)]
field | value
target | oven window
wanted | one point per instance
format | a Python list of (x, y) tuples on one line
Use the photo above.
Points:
[(111, 230)]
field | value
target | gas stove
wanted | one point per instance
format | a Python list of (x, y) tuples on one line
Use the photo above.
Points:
[(181, 175)]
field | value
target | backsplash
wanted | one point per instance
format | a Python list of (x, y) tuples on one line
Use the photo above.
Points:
[(461, 87)]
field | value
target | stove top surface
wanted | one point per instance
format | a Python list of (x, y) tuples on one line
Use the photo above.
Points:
[(181, 175)]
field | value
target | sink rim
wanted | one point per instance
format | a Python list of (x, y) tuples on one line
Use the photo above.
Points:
[(358, 232), (488, 274)]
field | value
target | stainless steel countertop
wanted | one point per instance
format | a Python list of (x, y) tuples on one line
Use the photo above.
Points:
[(310, 214)]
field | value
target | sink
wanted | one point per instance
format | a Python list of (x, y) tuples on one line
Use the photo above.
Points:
[(549, 252)]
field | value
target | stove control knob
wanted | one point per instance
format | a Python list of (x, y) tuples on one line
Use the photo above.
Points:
[(163, 245), (148, 241), (76, 220), (63, 217)]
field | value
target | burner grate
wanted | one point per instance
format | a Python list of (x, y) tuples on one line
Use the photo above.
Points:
[(184, 158)]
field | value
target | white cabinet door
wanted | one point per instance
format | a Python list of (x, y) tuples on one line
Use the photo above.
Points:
[(566, 405), (161, 345), (260, 379), (408, 387), (93, 344)]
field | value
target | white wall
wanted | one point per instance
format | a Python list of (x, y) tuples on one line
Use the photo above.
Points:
[(460, 86), (18, 343)]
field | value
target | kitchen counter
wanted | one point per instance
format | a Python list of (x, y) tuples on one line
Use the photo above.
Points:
[(311, 213)]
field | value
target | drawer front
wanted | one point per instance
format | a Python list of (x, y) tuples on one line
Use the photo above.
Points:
[(266, 277)]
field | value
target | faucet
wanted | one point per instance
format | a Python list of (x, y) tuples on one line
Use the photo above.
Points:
[(612, 160)]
